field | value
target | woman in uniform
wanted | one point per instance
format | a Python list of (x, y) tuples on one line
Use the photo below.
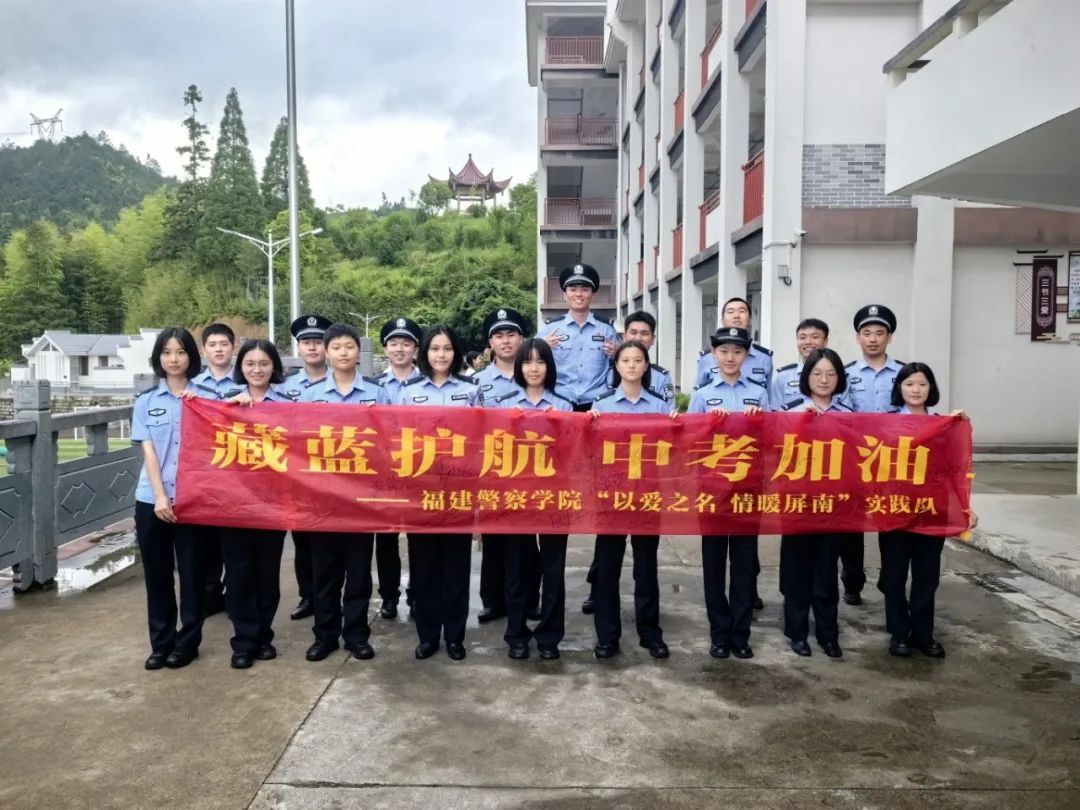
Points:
[(163, 542), (440, 563), (534, 373), (253, 556), (910, 619), (808, 576), (631, 377)]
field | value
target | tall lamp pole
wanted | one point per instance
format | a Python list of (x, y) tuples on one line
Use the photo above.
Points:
[(270, 249), (294, 195)]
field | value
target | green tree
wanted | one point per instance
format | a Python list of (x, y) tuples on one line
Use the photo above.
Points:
[(31, 296), (434, 196), (467, 309), (92, 281), (136, 239), (185, 209), (275, 178)]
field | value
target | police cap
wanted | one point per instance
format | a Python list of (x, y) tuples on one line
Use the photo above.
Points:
[(730, 334), (308, 327), (401, 327), (584, 274), (504, 319), (875, 314)]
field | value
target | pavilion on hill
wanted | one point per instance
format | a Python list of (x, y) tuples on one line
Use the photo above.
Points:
[(470, 185)]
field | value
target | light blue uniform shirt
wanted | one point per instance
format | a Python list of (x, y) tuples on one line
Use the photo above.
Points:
[(393, 385), (580, 360), (275, 393), (295, 384), (745, 393), (904, 410), (659, 381), (220, 386), (785, 386), (870, 391), (494, 384), (839, 404), (456, 391), (758, 364), (518, 399), (156, 418), (365, 390), (618, 402)]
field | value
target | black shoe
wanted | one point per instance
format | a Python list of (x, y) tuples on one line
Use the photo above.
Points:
[(178, 660), (548, 652), (361, 650), (900, 649), (302, 610), (832, 649), (266, 652), (490, 614), (588, 607), (743, 652), (606, 650), (534, 614), (758, 604), (928, 647), (320, 650), (426, 649), (241, 660), (657, 649), (519, 652), (456, 650), (388, 609), (852, 598), (156, 660), (800, 648), (719, 650)]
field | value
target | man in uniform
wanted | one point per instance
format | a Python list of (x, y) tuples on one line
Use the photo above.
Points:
[(581, 342), (641, 326), (505, 330), (736, 313), (870, 382), (308, 331), (810, 334)]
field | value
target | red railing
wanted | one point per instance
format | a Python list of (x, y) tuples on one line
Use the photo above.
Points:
[(750, 6), (676, 247), (580, 212), (711, 203), (579, 132), (605, 296), (754, 187), (641, 175), (713, 37), (641, 275), (680, 110), (574, 51)]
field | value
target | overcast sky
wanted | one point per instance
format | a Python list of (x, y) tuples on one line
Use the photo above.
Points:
[(388, 90)]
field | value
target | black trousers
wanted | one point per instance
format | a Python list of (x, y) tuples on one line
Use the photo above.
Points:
[(852, 551), (609, 552), (388, 565), (341, 565), (520, 587), (253, 570), (809, 577), (165, 547), (729, 613), (302, 565), (909, 617), (493, 562), (213, 567), (440, 566)]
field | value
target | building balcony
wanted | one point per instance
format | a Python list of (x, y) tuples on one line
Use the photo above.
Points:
[(710, 220), (574, 52), (580, 212), (680, 110), (676, 247), (581, 133), (603, 297), (754, 187), (711, 56)]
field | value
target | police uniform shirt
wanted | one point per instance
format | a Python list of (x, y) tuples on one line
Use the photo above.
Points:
[(659, 381), (156, 418), (456, 391), (493, 383), (393, 385), (296, 384), (746, 392), (618, 402), (364, 391), (904, 410), (518, 399), (839, 404), (870, 390), (785, 386), (758, 364), (275, 393), (207, 380), (581, 364)]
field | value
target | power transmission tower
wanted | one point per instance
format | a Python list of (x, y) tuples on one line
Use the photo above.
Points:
[(45, 128)]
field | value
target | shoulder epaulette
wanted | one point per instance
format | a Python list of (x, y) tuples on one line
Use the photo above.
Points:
[(841, 404), (761, 348), (147, 390), (559, 396), (794, 404), (610, 393), (232, 392), (657, 394), (900, 363), (696, 387), (755, 381), (852, 363), (789, 365), (374, 381), (703, 352), (661, 369), (463, 378), (415, 380), (505, 397), (603, 320), (207, 389)]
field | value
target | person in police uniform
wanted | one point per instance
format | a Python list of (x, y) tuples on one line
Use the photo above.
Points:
[(870, 384), (400, 338), (307, 331), (580, 341), (736, 312), (505, 330), (730, 390), (810, 334)]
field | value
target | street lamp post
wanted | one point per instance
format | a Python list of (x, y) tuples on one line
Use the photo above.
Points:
[(270, 249), (294, 194)]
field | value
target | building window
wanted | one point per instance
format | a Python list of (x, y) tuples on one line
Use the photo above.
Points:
[(84, 366), (102, 361)]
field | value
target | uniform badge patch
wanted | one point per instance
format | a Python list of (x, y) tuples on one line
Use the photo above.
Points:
[(292, 392), (487, 387), (793, 383), (598, 338), (715, 402), (157, 412), (459, 396), (759, 371), (419, 399), (754, 402)]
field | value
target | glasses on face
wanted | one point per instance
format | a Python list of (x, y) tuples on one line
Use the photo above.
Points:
[(823, 375)]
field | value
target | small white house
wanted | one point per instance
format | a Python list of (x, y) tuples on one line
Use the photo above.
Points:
[(106, 362)]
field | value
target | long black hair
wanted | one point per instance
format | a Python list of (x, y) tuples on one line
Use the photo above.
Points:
[(267, 348), (430, 334), (540, 348), (616, 378), (187, 341), (933, 396)]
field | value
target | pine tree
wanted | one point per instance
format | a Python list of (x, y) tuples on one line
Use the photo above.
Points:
[(184, 212), (232, 199), (275, 177), (31, 296)]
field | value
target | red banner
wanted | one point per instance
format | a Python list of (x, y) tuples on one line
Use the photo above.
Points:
[(326, 467)]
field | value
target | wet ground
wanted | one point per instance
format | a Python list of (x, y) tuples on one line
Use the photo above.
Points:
[(995, 725)]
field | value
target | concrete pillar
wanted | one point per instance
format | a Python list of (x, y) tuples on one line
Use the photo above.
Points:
[(785, 96), (671, 55), (541, 192), (635, 59), (653, 105), (33, 401), (930, 332)]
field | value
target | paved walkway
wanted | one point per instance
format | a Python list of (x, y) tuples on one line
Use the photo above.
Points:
[(997, 724)]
